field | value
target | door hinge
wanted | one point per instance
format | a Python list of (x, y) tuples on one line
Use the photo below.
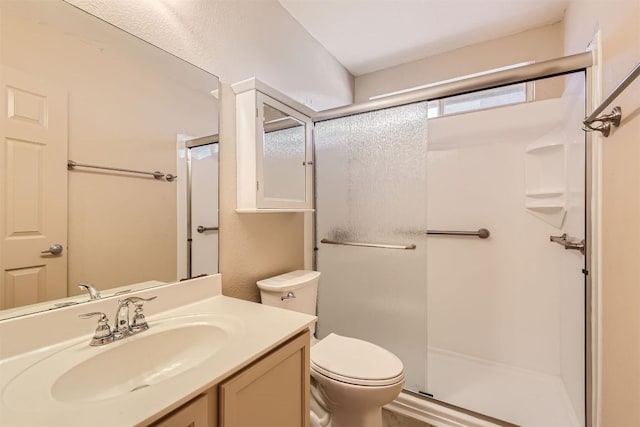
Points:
[(257, 185)]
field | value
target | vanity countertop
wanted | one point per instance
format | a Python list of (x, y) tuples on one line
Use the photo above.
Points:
[(257, 329)]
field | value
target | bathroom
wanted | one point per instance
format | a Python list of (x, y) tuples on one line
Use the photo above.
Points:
[(228, 40)]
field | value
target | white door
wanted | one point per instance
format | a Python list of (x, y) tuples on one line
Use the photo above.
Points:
[(33, 195), (204, 209)]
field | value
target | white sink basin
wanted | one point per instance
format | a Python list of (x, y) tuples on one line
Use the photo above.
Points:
[(81, 373)]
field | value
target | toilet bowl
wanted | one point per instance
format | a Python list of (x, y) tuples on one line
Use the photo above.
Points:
[(351, 379)]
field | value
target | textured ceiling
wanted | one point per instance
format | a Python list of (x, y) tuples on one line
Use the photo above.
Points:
[(369, 35)]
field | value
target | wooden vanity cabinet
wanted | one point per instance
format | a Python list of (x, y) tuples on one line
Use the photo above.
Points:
[(271, 392), (196, 413)]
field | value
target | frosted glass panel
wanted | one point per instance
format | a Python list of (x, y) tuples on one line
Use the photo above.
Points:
[(371, 188), (284, 171), (283, 156)]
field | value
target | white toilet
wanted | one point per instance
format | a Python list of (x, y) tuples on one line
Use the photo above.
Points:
[(351, 379)]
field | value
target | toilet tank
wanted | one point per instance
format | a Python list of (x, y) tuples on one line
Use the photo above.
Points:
[(296, 290)]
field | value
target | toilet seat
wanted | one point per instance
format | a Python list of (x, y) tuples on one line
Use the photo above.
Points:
[(354, 361)]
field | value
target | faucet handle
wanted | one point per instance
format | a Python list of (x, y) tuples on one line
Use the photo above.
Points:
[(139, 323), (103, 334)]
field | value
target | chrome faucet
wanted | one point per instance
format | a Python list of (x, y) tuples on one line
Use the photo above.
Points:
[(93, 292), (123, 326)]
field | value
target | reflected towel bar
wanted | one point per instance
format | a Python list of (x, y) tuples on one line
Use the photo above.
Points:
[(156, 174), (368, 245), (482, 233)]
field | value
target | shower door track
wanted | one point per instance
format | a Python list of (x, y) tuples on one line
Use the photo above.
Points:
[(581, 62)]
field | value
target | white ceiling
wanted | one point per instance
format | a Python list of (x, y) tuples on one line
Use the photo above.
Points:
[(369, 35)]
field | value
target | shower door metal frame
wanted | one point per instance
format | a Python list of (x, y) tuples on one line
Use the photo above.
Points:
[(578, 63)]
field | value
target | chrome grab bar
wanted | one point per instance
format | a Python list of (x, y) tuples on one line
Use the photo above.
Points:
[(202, 229), (367, 245), (482, 233), (156, 174), (563, 240)]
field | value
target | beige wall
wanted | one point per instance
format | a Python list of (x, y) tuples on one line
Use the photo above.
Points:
[(533, 45), (619, 23)]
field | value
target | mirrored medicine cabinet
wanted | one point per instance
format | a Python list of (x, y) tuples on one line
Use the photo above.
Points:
[(274, 151)]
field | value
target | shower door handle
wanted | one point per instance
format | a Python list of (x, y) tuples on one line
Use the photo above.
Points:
[(565, 241)]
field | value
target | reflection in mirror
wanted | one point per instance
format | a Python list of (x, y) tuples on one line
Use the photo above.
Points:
[(283, 155), (202, 205), (76, 88)]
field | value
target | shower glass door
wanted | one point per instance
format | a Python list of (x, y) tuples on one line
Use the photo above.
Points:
[(494, 325), (371, 223), (506, 314)]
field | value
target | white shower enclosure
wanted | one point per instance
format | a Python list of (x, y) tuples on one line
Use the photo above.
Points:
[(495, 325)]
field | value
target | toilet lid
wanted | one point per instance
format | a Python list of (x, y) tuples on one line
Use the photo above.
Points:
[(354, 361)]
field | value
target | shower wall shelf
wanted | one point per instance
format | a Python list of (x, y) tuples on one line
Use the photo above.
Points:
[(545, 208), (542, 148), (544, 194), (546, 178)]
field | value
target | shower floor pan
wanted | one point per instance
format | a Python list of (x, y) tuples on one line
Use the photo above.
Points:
[(512, 394)]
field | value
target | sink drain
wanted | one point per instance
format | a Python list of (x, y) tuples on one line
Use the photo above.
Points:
[(139, 387)]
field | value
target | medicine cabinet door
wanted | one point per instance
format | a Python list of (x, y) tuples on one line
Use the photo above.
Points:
[(284, 156)]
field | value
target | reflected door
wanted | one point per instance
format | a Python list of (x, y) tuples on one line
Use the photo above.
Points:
[(371, 223), (33, 197)]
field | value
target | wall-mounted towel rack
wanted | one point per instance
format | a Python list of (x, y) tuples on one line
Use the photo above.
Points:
[(482, 233), (156, 174), (608, 120), (368, 245)]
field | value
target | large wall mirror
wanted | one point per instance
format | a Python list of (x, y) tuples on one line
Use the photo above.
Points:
[(75, 88)]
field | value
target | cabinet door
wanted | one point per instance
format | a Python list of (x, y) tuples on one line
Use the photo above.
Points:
[(193, 414), (273, 392), (283, 161)]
